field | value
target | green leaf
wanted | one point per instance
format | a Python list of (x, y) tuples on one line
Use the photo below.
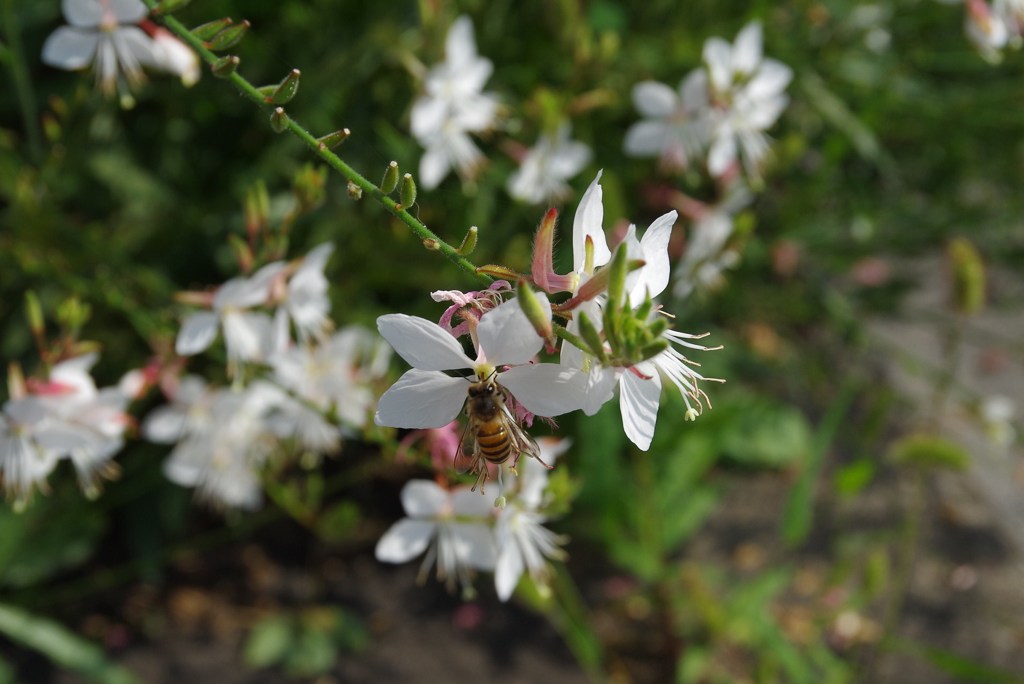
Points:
[(63, 647), (929, 451), (269, 641)]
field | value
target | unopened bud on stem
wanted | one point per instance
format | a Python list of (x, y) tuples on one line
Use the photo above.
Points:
[(538, 314), (390, 180), (407, 195)]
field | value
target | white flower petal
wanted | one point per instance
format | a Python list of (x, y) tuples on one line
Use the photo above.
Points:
[(83, 13), (546, 389), (460, 44), (434, 166), (427, 117), (69, 48), (128, 11), (421, 399), (466, 502), (164, 425), (197, 333), (422, 343), (600, 388), (647, 138), (506, 334), (423, 499), (248, 335), (404, 541), (718, 57), (638, 403), (746, 52), (654, 100), (508, 568), (655, 274), (474, 545), (721, 155), (770, 80), (588, 221)]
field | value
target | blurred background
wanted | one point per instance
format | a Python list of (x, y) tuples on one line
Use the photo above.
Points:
[(849, 510)]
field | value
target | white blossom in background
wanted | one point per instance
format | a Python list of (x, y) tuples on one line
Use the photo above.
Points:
[(305, 301), (248, 334), (337, 376), (990, 28), (676, 123), (105, 34), (222, 439), (451, 107), (707, 254), (748, 95), (64, 417), (997, 414), (522, 541), (547, 166), (427, 397), (452, 526)]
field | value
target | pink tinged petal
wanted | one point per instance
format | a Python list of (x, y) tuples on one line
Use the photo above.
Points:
[(588, 222), (434, 166), (424, 499), (638, 403), (404, 541), (422, 343), (654, 100), (546, 389), (74, 372), (746, 52), (84, 13), (647, 138), (197, 333), (69, 48), (508, 569), (421, 399), (164, 425), (506, 334)]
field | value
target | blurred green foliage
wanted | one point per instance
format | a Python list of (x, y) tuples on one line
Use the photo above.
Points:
[(898, 138)]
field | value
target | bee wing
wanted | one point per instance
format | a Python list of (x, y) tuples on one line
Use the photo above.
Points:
[(468, 453), (522, 442)]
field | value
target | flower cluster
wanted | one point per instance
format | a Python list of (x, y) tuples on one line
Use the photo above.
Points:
[(462, 532), (295, 386), (995, 26), (115, 37), (63, 416), (453, 105)]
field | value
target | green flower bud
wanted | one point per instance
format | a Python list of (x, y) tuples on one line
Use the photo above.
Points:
[(279, 120), (539, 318), (284, 91), (225, 66), (468, 241), (390, 180), (34, 312), (208, 30), (229, 37), (590, 335), (332, 140), (968, 273), (407, 195)]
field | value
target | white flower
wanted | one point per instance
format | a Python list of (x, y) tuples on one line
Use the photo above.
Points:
[(426, 397), (102, 33), (248, 335), (520, 536), (305, 301), (997, 413), (453, 106), (748, 92), (222, 438), (675, 125), (706, 254), (989, 28), (552, 161), (453, 524), (24, 463), (336, 375)]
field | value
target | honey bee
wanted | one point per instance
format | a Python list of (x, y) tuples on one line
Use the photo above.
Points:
[(492, 434)]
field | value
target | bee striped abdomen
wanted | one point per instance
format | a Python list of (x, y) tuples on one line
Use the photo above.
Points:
[(494, 443)]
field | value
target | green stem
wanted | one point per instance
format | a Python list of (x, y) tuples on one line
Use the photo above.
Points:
[(22, 84), (321, 151), (571, 621)]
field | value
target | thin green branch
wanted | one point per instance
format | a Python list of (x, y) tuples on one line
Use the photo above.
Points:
[(334, 161)]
